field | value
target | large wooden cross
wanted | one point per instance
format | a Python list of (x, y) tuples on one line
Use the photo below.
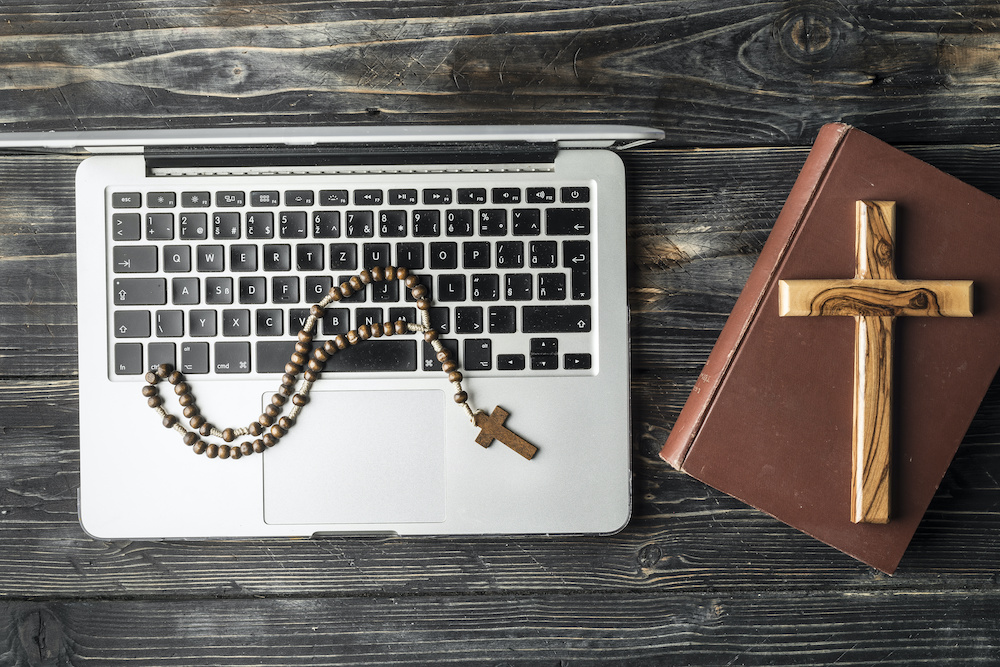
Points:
[(874, 297)]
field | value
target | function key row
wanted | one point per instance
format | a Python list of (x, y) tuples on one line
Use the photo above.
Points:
[(361, 197)]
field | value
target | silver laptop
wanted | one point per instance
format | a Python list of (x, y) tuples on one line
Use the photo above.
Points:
[(204, 250)]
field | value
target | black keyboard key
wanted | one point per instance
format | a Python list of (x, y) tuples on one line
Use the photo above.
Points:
[(196, 199), (253, 290), (574, 195), (161, 353), (526, 221), (293, 225), (277, 257), (544, 362), (478, 354), (360, 224), (472, 195), (218, 290), (185, 291), (485, 287), (492, 222), (551, 286), (243, 257), (260, 225), (476, 255), (577, 361), (230, 198), (518, 287), (194, 226), (210, 257), (139, 291), (458, 222), (343, 257), (285, 289), (402, 197), (159, 226), (392, 224), (567, 221), (510, 254), (371, 356), (231, 357), (405, 314), (544, 346), (469, 320), (335, 321), (367, 197), (201, 323), (317, 287), (126, 227), (131, 324), (176, 258), (368, 316), (134, 259), (555, 319), (297, 318), (326, 224), (451, 287), (440, 319), (161, 199), (226, 225), (194, 358), (128, 359), (299, 198), (431, 362), (333, 197), (236, 322), (309, 257), (542, 254), (506, 195), (269, 322), (410, 255), (503, 319), (126, 200), (271, 356), (264, 198), (444, 255), (436, 196), (359, 296), (541, 195), (576, 257), (385, 291), (375, 254), (428, 283), (426, 223), (169, 323), (510, 362)]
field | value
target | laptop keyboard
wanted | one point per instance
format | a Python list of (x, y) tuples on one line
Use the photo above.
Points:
[(219, 283)]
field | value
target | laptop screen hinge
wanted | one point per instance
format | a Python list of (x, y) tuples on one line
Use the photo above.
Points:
[(176, 159)]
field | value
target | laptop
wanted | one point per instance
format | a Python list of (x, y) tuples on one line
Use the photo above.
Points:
[(203, 251)]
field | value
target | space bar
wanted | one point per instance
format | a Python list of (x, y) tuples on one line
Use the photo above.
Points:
[(372, 356)]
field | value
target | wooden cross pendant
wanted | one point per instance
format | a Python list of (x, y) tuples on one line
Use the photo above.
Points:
[(492, 428), (874, 297)]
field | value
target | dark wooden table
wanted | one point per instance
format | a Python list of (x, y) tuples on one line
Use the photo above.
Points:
[(697, 577)]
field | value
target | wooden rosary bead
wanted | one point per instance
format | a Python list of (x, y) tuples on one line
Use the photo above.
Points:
[(175, 377), (461, 397), (228, 435), (305, 336), (390, 273), (154, 401), (206, 429), (411, 281), (376, 330), (310, 376), (293, 369), (286, 422), (271, 410), (277, 431), (164, 370), (197, 421), (151, 377), (246, 448), (419, 291), (181, 388), (364, 332), (278, 399), (387, 329), (319, 354), (236, 453), (334, 293), (299, 399), (301, 350), (444, 355), (377, 274), (258, 446), (288, 380), (190, 411), (356, 284), (199, 447), (316, 311), (185, 400), (449, 365), (150, 390), (340, 340), (190, 438), (330, 348), (169, 421), (224, 451), (255, 428), (402, 273), (286, 391), (269, 440), (346, 289), (265, 420), (315, 366), (431, 335), (212, 451), (454, 376), (365, 276), (423, 304), (352, 337), (399, 327)]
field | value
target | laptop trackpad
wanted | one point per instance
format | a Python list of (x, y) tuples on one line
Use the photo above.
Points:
[(360, 457)]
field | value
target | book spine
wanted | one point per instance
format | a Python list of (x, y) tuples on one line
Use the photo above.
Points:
[(685, 430)]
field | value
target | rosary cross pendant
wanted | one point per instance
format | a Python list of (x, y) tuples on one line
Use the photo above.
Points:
[(874, 297), (492, 428)]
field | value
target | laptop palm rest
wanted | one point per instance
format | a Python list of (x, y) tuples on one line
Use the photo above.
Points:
[(336, 468)]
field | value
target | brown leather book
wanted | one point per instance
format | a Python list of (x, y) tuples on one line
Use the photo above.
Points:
[(769, 420)]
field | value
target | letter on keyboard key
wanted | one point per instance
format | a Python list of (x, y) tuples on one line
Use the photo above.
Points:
[(555, 319), (140, 291)]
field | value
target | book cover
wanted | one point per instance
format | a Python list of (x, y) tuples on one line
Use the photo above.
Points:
[(769, 420)]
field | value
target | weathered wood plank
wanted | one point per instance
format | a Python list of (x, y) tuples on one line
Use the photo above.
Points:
[(711, 629), (709, 72)]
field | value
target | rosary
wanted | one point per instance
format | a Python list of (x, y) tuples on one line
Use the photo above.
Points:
[(271, 426)]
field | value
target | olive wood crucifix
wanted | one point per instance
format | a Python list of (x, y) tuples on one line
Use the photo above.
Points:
[(874, 297)]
